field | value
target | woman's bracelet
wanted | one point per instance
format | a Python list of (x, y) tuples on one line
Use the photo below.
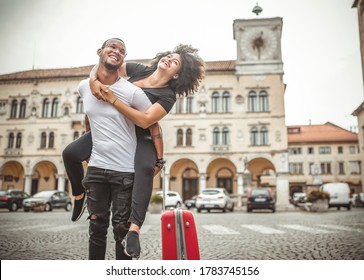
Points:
[(114, 101), (160, 163)]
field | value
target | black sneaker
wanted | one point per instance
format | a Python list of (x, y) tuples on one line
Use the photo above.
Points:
[(131, 244), (79, 208)]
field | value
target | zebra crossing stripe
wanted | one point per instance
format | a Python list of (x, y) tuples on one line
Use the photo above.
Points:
[(263, 229), (306, 229), (219, 230), (339, 227)]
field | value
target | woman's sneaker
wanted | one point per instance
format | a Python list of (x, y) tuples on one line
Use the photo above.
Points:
[(78, 208), (131, 244)]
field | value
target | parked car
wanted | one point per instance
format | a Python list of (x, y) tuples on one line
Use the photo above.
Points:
[(260, 198), (173, 199), (299, 197), (353, 199), (190, 203), (359, 200), (12, 199), (214, 198), (339, 195), (51, 199)]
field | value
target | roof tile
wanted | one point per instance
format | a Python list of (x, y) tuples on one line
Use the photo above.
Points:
[(327, 132)]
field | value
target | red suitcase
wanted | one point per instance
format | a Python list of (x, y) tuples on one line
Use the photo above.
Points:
[(179, 236)]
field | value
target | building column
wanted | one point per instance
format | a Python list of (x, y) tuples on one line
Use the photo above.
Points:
[(282, 191), (202, 181), (61, 183), (240, 181), (165, 181), (28, 184)]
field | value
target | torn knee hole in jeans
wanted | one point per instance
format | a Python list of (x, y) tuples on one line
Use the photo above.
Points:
[(93, 217)]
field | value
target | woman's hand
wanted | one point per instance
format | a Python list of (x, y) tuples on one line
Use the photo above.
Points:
[(98, 89), (109, 96)]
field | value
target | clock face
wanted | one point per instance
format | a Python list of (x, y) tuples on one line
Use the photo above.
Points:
[(258, 43)]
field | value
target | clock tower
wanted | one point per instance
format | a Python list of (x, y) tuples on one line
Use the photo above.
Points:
[(259, 72), (258, 46)]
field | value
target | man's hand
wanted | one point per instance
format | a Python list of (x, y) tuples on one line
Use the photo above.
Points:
[(156, 170)]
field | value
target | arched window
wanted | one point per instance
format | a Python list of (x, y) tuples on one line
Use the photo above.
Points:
[(225, 136), (54, 108), (51, 140), (226, 102), (189, 183), (252, 101), (264, 136), (79, 107), (23, 107), (263, 101), (11, 141), (66, 111), (215, 98), (216, 136), (179, 137), (254, 136), (14, 109), (76, 134), (224, 178), (18, 140), (43, 140), (179, 106), (45, 108), (189, 137), (189, 104)]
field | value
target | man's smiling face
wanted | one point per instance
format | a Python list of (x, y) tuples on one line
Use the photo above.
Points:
[(113, 54)]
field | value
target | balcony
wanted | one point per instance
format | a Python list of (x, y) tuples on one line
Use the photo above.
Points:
[(11, 152), (220, 149)]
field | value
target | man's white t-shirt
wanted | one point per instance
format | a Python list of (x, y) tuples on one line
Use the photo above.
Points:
[(113, 135)]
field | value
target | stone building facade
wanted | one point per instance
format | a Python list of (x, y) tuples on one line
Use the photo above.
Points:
[(231, 133), (359, 112)]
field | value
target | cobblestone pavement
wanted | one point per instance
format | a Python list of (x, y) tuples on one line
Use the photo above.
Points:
[(294, 235)]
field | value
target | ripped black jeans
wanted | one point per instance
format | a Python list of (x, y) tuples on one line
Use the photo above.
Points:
[(107, 189)]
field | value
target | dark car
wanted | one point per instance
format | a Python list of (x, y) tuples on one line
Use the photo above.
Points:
[(261, 198), (12, 199), (359, 200), (51, 200), (189, 203)]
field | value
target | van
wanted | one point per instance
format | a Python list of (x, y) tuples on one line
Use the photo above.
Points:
[(339, 194)]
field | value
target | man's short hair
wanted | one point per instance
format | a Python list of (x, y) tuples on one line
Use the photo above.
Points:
[(105, 43)]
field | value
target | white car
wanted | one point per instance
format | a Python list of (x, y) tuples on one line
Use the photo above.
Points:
[(214, 198), (173, 199), (339, 194), (299, 197)]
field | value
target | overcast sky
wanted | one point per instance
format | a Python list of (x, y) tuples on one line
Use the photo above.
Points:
[(320, 42)]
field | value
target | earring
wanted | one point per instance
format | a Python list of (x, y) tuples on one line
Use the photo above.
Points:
[(175, 76)]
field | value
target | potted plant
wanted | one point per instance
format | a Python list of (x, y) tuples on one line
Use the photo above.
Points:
[(38, 207), (318, 200), (156, 204)]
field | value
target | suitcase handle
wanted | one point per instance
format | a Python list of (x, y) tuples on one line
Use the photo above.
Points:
[(164, 188)]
